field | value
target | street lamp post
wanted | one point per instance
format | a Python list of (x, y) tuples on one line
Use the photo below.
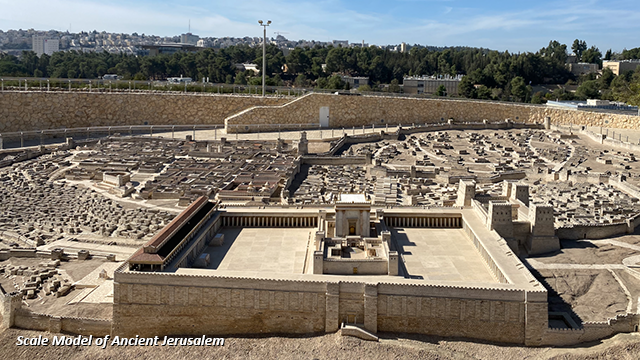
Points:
[(264, 53)]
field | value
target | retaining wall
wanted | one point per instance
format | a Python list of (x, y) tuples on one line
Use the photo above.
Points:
[(356, 111), (184, 304), (25, 111)]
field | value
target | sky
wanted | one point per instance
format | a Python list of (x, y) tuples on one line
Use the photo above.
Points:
[(517, 26)]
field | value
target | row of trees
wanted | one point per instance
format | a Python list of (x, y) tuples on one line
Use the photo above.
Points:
[(488, 74)]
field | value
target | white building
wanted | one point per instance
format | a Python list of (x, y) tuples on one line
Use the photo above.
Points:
[(42, 45), (189, 38)]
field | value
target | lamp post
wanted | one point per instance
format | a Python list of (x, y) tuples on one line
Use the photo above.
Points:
[(264, 53)]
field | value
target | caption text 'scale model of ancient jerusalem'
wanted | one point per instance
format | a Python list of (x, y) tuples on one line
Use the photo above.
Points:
[(364, 215)]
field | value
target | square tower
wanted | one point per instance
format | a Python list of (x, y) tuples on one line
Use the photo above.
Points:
[(542, 220), (500, 218), (543, 237), (520, 192), (466, 192)]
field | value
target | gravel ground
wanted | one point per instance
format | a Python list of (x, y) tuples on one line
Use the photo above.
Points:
[(331, 346)]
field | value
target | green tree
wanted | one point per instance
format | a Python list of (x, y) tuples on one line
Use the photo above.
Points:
[(588, 90), (484, 93), (519, 89), (578, 47), (606, 78), (592, 56), (441, 91), (335, 82), (538, 98), (241, 79), (466, 87), (322, 83), (300, 81), (394, 86)]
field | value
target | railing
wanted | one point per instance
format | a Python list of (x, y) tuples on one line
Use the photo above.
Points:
[(39, 136), (107, 86)]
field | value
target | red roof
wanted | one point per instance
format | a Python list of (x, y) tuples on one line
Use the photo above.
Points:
[(160, 238)]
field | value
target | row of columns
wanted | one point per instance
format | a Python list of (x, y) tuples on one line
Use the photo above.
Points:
[(269, 221), (424, 222)]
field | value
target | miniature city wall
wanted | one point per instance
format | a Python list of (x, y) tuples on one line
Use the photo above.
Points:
[(25, 111)]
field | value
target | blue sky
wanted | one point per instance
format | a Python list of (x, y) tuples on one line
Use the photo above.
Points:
[(516, 26)]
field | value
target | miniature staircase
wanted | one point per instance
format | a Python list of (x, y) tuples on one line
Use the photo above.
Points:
[(357, 331), (252, 108)]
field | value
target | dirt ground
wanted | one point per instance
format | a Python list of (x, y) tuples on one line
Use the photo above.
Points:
[(331, 346), (58, 306), (591, 295), (587, 252)]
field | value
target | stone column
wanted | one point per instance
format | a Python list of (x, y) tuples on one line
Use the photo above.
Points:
[(393, 263), (318, 258), (371, 307), (339, 224), (332, 314)]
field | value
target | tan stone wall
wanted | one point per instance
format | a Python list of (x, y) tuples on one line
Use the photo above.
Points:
[(348, 111), (501, 321), (167, 304), (150, 310), (24, 111)]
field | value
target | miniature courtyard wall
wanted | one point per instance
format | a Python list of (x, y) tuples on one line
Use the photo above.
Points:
[(24, 111)]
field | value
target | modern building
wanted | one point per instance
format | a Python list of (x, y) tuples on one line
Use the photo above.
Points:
[(621, 66), (43, 45), (343, 43), (170, 48), (578, 69), (355, 81), (596, 105), (245, 67), (430, 84), (189, 38)]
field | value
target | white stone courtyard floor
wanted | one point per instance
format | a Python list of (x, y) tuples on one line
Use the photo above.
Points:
[(265, 250), (440, 255)]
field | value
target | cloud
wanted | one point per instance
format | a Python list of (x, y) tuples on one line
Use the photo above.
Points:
[(520, 26)]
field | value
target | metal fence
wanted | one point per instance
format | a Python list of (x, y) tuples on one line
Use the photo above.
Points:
[(53, 136), (198, 88), (99, 85)]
